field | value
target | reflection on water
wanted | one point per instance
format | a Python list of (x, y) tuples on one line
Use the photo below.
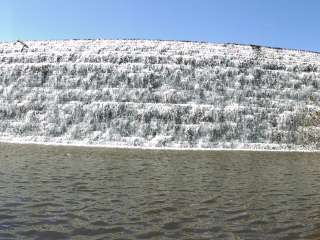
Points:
[(82, 193)]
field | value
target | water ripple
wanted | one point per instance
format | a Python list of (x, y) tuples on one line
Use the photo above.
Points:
[(75, 193)]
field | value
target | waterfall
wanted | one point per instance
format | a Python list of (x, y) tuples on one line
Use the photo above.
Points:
[(159, 94)]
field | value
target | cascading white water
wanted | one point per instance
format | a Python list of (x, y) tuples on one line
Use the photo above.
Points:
[(159, 94)]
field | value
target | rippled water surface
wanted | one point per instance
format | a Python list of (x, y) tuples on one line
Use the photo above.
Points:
[(51, 192)]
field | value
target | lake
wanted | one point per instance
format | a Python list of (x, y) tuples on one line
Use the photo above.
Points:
[(56, 192)]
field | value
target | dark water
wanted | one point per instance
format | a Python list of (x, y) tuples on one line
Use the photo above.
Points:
[(73, 193)]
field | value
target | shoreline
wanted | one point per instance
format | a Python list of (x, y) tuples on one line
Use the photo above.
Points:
[(139, 148)]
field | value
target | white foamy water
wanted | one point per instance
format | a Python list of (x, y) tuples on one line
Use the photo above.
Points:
[(159, 94)]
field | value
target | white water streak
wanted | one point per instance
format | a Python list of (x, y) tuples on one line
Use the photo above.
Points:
[(159, 94)]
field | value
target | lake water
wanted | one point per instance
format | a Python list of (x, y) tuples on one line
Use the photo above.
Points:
[(50, 192)]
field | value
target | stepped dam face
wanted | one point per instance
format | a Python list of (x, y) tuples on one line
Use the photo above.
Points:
[(159, 94)]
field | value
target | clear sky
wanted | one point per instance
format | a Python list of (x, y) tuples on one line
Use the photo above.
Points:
[(278, 23)]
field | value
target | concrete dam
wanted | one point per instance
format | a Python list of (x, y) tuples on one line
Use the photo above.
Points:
[(165, 94)]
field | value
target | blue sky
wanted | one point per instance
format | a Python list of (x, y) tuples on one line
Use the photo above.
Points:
[(278, 23)]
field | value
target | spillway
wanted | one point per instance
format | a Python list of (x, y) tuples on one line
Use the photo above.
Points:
[(159, 94)]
